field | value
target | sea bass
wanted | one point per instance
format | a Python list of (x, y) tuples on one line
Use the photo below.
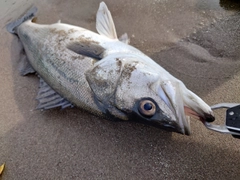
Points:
[(104, 75)]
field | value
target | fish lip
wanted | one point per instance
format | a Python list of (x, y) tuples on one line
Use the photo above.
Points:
[(181, 126), (187, 127), (167, 123), (171, 93), (182, 121), (205, 117), (209, 117), (184, 124)]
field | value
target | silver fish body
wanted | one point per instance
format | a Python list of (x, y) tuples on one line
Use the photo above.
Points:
[(105, 76), (62, 69)]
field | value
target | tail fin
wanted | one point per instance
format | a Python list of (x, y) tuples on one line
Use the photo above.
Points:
[(11, 27)]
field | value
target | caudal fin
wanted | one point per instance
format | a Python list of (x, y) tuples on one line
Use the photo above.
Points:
[(11, 27)]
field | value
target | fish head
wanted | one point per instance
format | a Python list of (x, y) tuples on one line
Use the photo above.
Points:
[(141, 93), (134, 89)]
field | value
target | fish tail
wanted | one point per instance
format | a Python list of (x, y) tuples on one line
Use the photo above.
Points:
[(11, 27)]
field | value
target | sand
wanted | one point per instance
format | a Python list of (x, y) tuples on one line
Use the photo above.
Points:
[(197, 41)]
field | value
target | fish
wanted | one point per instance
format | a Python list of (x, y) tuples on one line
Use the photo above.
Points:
[(104, 74)]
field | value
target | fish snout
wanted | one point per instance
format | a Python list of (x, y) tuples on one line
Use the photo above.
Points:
[(147, 111)]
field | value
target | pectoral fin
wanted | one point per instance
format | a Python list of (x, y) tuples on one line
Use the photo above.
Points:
[(87, 48)]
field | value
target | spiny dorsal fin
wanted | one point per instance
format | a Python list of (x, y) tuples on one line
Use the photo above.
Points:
[(105, 25)]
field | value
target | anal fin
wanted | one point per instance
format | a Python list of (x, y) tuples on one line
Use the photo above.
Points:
[(49, 99)]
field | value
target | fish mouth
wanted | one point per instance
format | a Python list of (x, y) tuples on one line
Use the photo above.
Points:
[(172, 94), (182, 119), (205, 117), (173, 110)]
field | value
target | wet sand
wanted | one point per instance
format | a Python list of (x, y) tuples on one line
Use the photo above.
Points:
[(196, 41)]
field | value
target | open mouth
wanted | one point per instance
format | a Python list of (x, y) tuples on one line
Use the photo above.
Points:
[(183, 119), (176, 96), (183, 114), (172, 95), (205, 118), (190, 112)]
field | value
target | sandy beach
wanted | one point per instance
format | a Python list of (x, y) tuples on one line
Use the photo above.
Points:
[(197, 41)]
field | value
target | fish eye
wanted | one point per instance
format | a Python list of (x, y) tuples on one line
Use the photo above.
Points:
[(147, 108)]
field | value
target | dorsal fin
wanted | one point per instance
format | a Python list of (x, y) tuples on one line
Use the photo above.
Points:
[(104, 23), (124, 38)]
